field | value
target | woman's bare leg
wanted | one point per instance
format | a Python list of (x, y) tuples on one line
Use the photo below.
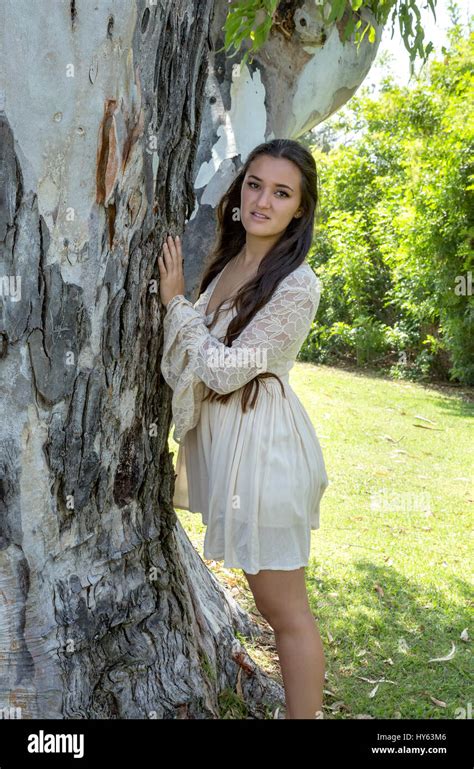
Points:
[(301, 656), (281, 598)]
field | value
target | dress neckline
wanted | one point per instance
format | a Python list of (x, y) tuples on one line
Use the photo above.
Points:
[(227, 301), (218, 277)]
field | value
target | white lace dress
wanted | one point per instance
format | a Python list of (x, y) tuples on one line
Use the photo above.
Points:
[(257, 478)]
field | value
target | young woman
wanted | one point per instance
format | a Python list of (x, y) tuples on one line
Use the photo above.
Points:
[(249, 459)]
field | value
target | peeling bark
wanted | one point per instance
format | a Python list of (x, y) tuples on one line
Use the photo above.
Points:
[(106, 609)]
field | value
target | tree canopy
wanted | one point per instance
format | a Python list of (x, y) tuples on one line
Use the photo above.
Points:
[(394, 243), (250, 21)]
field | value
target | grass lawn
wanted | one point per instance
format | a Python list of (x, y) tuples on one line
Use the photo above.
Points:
[(390, 575)]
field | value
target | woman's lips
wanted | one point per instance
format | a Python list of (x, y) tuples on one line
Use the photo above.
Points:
[(260, 217)]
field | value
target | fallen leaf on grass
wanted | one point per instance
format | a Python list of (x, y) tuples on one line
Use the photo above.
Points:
[(440, 703), (417, 416), (392, 440), (373, 691), (340, 705), (464, 635), (448, 656)]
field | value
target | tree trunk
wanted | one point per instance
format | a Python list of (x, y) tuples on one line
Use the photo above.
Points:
[(107, 124)]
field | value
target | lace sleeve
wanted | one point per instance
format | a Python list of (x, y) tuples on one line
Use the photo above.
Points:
[(193, 357)]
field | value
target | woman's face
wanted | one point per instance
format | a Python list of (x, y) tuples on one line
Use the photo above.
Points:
[(271, 186)]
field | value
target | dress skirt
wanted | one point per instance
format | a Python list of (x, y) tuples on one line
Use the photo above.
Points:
[(257, 479)]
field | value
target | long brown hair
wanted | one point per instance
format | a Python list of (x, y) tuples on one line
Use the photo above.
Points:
[(282, 258)]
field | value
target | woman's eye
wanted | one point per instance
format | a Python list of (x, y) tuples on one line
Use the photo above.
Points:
[(282, 191)]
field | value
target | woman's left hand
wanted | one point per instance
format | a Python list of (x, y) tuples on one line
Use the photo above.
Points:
[(170, 264)]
